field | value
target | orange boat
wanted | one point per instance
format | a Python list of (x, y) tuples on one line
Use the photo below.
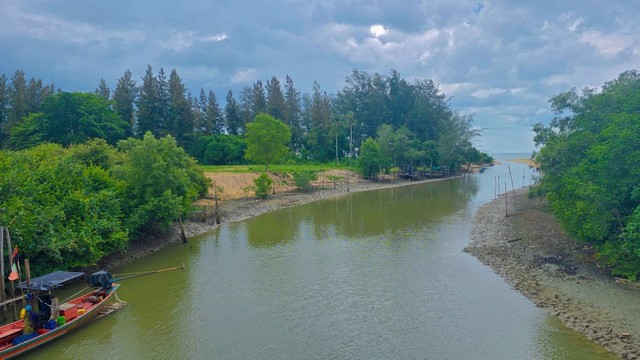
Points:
[(52, 321)]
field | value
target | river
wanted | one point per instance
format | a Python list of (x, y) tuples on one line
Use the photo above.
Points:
[(371, 275)]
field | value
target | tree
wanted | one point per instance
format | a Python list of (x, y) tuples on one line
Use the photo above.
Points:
[(70, 118), (589, 157), (148, 110), (292, 114), (103, 89), (4, 103), (232, 115), (179, 117), (124, 98), (371, 159), (160, 182), (18, 107), (276, 106), (71, 219), (267, 140)]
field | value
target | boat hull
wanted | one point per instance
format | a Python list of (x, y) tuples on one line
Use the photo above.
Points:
[(40, 340)]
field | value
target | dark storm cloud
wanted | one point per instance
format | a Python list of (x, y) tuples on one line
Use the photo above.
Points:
[(501, 60)]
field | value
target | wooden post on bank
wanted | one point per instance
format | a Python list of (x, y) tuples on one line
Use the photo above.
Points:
[(27, 271), (215, 198), (511, 176), (182, 235), (506, 203)]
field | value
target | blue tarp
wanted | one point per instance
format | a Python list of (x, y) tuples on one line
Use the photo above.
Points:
[(50, 281)]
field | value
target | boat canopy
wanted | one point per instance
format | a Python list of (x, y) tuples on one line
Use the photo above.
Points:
[(50, 281)]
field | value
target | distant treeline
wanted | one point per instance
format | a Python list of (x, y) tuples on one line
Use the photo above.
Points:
[(590, 157), (324, 127)]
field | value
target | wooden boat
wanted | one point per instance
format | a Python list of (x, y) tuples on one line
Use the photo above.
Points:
[(72, 314)]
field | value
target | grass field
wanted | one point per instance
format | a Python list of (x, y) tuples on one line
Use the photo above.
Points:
[(277, 168)]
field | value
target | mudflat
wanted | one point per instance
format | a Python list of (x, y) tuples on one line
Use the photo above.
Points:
[(520, 240)]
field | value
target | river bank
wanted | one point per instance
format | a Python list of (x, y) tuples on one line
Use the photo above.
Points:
[(535, 256)]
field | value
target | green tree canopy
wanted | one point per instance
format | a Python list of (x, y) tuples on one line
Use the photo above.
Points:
[(61, 212), (267, 139), (69, 118), (590, 159), (160, 182)]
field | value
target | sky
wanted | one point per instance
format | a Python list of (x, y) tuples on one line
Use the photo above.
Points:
[(501, 60)]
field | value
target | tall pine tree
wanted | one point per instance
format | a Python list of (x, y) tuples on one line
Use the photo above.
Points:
[(103, 90), (232, 115), (180, 118), (148, 109), (124, 98)]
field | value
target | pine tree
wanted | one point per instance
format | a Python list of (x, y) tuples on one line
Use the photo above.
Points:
[(199, 108), (124, 99), (148, 105), (103, 89), (180, 118), (213, 114), (275, 99), (232, 115), (292, 113), (259, 104), (164, 117), (18, 106), (4, 103)]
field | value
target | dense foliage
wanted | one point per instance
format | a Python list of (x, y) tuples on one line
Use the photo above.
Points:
[(68, 208), (590, 157), (323, 127)]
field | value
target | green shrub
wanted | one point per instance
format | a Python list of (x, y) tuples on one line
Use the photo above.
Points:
[(303, 179), (263, 185)]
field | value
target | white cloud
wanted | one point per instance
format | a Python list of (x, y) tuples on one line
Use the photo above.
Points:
[(42, 26), (179, 41), (378, 31), (485, 93), (244, 76), (607, 45)]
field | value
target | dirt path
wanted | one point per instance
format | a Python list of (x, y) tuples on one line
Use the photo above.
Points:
[(531, 251)]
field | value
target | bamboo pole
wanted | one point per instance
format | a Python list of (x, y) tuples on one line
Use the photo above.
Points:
[(13, 290), (215, 198), (2, 292), (506, 206), (513, 188), (151, 273)]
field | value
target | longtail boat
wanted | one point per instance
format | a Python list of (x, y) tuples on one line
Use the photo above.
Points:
[(52, 320)]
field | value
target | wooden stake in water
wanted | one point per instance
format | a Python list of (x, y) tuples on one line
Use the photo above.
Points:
[(506, 206)]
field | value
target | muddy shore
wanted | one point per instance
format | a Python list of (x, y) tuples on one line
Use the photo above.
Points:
[(536, 257)]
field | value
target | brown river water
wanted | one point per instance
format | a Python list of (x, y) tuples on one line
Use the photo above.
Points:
[(371, 275)]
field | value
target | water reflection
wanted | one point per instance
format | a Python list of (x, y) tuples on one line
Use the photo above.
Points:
[(371, 275), (390, 212)]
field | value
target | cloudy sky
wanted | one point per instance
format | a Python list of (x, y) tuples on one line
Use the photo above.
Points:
[(499, 59)]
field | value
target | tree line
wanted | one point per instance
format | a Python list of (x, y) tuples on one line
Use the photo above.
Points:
[(590, 157), (67, 207), (323, 127)]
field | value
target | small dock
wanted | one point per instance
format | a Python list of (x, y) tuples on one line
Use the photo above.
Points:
[(108, 309)]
